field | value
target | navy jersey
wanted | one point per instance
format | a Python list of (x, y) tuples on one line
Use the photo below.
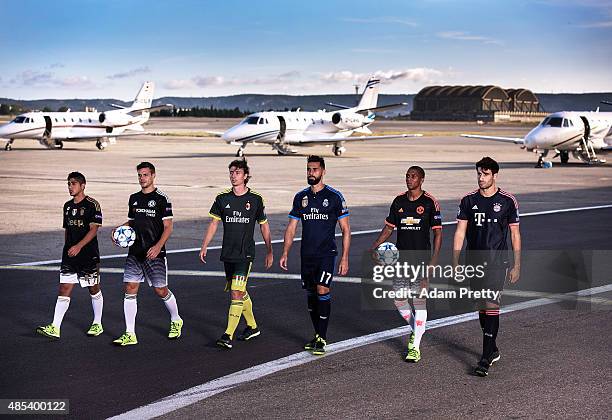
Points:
[(239, 213), (147, 213), (488, 219), (77, 219), (413, 220), (319, 214)]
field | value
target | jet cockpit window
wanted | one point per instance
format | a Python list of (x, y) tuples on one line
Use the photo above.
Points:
[(565, 123), (554, 122), (545, 121), (251, 120), (19, 120)]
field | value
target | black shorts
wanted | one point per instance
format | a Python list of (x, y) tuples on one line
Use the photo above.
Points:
[(317, 270), (494, 280), (72, 271), (236, 275)]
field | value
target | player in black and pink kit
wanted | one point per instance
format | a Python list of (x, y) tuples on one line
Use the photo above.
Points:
[(415, 214), (485, 218)]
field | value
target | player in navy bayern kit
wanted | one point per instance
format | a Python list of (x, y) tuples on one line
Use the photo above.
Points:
[(414, 213), (239, 209), (484, 218), (80, 256), (150, 214), (319, 207)]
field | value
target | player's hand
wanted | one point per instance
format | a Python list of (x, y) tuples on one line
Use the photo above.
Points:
[(269, 260), (283, 262), (343, 267), (153, 252), (113, 236), (203, 254), (514, 274), (374, 255), (74, 251)]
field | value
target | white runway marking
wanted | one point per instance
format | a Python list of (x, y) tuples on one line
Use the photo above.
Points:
[(359, 232), (216, 386)]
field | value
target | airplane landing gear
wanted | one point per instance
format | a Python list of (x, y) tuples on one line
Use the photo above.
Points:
[(339, 150), (59, 144), (240, 152), (541, 156), (101, 145), (9, 145), (564, 154)]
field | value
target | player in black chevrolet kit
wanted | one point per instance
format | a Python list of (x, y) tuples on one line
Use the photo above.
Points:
[(484, 218), (150, 214), (239, 208), (80, 256), (414, 213), (320, 208)]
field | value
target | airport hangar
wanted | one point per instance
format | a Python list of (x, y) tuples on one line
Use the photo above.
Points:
[(476, 103)]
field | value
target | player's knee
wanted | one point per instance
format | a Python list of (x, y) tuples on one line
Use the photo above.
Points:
[(94, 289), (322, 290), (162, 292), (131, 288), (419, 304), (65, 289), (400, 304)]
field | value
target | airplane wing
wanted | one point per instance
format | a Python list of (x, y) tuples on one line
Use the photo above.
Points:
[(381, 108), (515, 140), (338, 105), (117, 106), (332, 140), (151, 108), (215, 133)]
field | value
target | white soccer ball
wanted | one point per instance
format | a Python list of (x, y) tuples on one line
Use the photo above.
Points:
[(387, 253), (124, 236)]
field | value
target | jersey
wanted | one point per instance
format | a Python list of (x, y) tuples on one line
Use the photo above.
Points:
[(413, 220), (239, 213), (488, 221), (319, 213), (77, 220), (147, 213)]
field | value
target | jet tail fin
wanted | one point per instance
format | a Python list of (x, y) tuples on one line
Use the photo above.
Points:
[(144, 98), (369, 98)]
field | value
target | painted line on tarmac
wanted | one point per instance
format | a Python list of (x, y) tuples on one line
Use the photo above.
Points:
[(359, 232), (201, 392)]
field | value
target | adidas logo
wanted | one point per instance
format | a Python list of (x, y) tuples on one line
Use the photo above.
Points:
[(135, 203), (475, 207), (401, 210), (227, 206)]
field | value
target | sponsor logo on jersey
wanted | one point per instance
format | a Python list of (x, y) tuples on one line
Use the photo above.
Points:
[(325, 202), (410, 221), (479, 218), (237, 217), (315, 215), (305, 201), (152, 203), (420, 210), (496, 207)]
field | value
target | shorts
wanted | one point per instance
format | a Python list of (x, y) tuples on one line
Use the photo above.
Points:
[(86, 274), (236, 275), (154, 271), (493, 280), (317, 270)]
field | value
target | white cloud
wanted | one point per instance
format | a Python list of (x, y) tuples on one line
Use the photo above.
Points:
[(466, 36), (382, 19), (34, 78), (418, 74), (134, 72)]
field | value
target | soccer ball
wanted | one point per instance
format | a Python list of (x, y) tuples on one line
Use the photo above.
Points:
[(387, 253), (124, 236)]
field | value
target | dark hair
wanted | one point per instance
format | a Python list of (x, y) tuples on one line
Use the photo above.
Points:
[(315, 158), (420, 170), (488, 163), (77, 176), (241, 164), (143, 165)]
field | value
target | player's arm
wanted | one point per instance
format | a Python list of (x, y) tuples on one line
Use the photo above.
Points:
[(154, 251), (346, 244), (515, 237), (208, 236), (437, 244), (75, 249), (384, 234), (288, 241), (458, 240), (267, 237)]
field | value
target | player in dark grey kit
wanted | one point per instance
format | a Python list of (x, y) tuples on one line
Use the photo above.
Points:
[(150, 214), (80, 256), (319, 208), (484, 218)]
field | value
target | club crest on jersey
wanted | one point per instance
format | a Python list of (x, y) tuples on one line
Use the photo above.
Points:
[(82, 211), (496, 207), (248, 205), (420, 210), (305, 201), (325, 202), (74, 212), (152, 203)]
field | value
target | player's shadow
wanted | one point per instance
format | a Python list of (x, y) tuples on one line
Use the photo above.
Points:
[(458, 351)]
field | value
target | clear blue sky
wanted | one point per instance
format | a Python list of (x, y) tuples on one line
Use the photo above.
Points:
[(87, 48)]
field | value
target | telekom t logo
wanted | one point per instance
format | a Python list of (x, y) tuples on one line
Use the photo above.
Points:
[(479, 218)]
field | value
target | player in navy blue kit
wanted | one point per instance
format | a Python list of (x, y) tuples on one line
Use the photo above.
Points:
[(414, 214), (319, 208), (484, 218)]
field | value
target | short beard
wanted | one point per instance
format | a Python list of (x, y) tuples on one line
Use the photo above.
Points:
[(314, 181)]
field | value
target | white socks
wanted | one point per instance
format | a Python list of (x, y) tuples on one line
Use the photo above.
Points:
[(97, 303), (172, 306), (130, 307), (61, 306), (420, 318)]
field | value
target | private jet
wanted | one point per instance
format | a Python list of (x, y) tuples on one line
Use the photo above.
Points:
[(284, 130), (583, 134), (51, 129)]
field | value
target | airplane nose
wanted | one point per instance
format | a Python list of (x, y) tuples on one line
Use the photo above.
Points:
[(534, 138)]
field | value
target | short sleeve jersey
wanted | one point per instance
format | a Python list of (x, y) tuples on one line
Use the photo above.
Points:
[(77, 220), (147, 213), (238, 213), (488, 219), (413, 220), (319, 213)]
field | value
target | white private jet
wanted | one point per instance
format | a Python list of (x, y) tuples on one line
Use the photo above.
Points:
[(51, 129), (282, 130), (582, 133)]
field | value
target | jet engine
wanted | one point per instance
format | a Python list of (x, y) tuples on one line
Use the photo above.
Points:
[(347, 121), (113, 119)]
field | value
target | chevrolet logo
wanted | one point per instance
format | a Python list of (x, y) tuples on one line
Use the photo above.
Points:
[(410, 221)]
